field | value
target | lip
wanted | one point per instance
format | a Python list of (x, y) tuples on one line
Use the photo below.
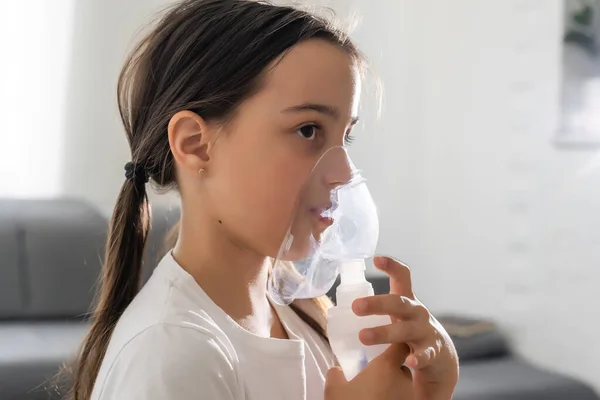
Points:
[(327, 221), (324, 214)]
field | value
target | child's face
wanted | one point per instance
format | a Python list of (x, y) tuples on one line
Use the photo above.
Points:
[(261, 164)]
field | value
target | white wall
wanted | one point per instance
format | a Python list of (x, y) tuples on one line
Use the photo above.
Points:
[(512, 220), (95, 144), (494, 220)]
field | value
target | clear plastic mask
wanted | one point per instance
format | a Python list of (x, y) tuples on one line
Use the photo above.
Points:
[(335, 221)]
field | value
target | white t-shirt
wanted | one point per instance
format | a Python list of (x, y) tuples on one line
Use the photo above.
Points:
[(174, 342)]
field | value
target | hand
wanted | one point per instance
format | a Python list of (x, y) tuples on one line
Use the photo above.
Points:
[(432, 357), (382, 379)]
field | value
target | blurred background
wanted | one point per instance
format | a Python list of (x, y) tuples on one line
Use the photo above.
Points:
[(484, 160)]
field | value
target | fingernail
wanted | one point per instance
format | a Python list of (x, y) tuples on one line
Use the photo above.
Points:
[(360, 305), (381, 261), (368, 335)]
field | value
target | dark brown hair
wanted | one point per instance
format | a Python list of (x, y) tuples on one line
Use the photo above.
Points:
[(205, 56)]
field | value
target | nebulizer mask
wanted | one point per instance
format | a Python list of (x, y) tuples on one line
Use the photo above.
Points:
[(333, 231), (334, 223)]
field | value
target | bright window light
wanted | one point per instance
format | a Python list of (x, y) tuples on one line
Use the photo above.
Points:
[(35, 38)]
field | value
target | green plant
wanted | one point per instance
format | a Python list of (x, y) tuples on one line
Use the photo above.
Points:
[(580, 29)]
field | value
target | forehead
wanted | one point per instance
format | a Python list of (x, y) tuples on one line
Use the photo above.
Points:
[(314, 71)]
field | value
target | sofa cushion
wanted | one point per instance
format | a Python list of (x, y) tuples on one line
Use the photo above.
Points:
[(31, 353), (475, 338), (511, 378), (11, 290), (485, 345), (60, 243)]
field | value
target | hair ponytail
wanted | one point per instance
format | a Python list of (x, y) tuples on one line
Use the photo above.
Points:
[(119, 284)]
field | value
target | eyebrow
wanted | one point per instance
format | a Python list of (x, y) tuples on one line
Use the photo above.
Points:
[(320, 108)]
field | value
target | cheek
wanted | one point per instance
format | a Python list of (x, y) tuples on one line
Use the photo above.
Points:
[(258, 196), (273, 199), (273, 192)]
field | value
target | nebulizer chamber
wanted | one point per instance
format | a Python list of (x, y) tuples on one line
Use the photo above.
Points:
[(333, 231), (343, 325)]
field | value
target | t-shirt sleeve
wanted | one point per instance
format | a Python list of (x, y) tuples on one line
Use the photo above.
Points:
[(171, 362)]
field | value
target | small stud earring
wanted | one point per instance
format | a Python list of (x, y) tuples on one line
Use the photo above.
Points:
[(201, 171)]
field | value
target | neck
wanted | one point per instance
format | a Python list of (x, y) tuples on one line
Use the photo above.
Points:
[(234, 277)]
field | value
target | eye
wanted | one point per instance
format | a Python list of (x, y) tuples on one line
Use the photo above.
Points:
[(308, 132), (348, 138)]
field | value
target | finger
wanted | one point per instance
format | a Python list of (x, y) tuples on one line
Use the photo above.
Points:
[(334, 379), (409, 332), (390, 304), (396, 354), (421, 358), (400, 278)]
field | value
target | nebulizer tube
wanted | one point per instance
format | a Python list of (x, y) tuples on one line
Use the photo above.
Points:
[(333, 230)]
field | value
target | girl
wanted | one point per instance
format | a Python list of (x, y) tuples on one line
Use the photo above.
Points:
[(277, 87)]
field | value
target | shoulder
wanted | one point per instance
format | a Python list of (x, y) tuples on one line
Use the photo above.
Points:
[(170, 304), (170, 361)]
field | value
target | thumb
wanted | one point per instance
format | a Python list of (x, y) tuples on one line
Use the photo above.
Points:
[(334, 379)]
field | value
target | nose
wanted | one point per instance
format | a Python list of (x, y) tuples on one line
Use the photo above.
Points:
[(336, 167)]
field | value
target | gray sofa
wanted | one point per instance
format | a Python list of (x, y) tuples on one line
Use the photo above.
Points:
[(50, 259)]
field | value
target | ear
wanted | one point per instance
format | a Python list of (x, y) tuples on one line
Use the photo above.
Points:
[(190, 141)]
